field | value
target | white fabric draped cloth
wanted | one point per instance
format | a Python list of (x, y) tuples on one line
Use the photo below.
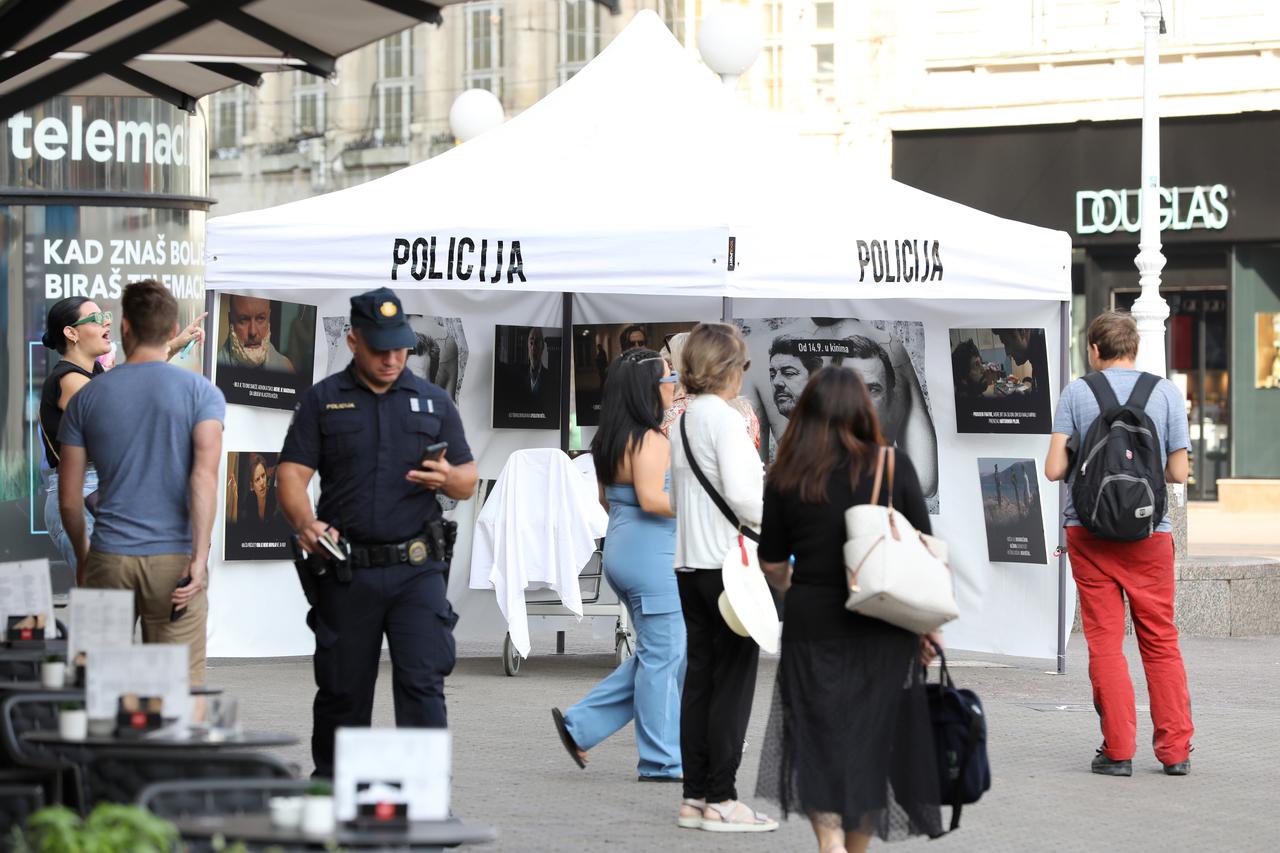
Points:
[(537, 529)]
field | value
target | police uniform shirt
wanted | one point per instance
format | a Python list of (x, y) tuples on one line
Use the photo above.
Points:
[(363, 444)]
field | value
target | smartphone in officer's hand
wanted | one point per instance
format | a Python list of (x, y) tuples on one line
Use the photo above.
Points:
[(435, 452), (176, 613)]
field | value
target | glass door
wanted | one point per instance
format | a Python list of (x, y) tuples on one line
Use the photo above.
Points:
[(1198, 350)]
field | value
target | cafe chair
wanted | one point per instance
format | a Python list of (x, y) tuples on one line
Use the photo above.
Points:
[(17, 802), (188, 798), (120, 775), (19, 670), (54, 767)]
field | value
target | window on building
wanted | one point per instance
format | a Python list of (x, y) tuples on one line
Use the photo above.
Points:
[(232, 118), (824, 15), (771, 61), (395, 87), (672, 12), (484, 47), (308, 103), (824, 62), (579, 35)]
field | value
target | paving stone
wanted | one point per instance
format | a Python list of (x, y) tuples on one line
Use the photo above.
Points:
[(511, 772)]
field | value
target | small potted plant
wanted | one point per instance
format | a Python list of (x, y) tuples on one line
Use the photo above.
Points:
[(110, 827), (73, 721), (53, 672), (317, 809)]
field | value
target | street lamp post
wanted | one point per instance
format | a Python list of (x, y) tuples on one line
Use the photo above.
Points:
[(1150, 310)]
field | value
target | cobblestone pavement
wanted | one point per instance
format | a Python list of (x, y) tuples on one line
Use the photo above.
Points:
[(510, 771)]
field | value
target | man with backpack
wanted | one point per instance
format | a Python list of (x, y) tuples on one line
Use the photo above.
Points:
[(1118, 436)]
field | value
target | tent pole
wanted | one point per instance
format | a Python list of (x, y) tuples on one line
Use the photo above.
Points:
[(726, 309), (566, 365), (210, 300), (1064, 376)]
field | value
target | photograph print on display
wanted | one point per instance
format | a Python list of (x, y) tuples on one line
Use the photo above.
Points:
[(265, 351), (1011, 510), (1001, 379), (887, 354), (595, 347), (255, 528), (440, 355), (526, 377)]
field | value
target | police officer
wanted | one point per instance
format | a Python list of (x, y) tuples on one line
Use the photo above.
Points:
[(367, 430)]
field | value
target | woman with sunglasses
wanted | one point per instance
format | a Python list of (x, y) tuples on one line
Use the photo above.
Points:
[(80, 332), (632, 458)]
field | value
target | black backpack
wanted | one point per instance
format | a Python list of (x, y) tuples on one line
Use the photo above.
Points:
[(1118, 482), (960, 740)]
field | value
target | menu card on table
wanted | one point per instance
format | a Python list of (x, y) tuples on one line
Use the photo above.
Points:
[(412, 766), (147, 670), (25, 590), (98, 619)]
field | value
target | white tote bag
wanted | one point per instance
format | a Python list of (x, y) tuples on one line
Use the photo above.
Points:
[(896, 573)]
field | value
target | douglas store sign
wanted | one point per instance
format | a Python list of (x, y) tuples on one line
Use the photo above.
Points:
[(1110, 211)]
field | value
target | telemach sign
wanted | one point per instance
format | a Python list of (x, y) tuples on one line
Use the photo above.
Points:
[(1181, 209)]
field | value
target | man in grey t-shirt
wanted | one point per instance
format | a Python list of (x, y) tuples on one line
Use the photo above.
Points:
[(1141, 570), (154, 432)]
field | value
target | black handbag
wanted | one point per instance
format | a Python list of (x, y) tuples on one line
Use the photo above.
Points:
[(960, 740)]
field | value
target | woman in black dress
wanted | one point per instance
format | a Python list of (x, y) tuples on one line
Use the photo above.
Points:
[(848, 742)]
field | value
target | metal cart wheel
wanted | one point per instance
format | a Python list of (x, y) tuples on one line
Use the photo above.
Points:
[(622, 648), (510, 657)]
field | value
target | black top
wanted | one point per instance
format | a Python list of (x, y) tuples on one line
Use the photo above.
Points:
[(50, 414), (363, 444), (815, 535)]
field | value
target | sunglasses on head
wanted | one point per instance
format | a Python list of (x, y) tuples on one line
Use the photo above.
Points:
[(102, 318)]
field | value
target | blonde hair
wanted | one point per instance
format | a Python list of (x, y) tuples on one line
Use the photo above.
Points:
[(710, 356), (674, 348), (1115, 334)]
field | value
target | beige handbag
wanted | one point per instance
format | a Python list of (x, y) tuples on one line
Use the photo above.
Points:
[(896, 573)]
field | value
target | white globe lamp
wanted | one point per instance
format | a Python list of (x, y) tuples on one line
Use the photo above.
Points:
[(729, 40), (473, 112)]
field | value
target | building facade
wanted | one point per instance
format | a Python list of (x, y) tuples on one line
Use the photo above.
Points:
[(1024, 108)]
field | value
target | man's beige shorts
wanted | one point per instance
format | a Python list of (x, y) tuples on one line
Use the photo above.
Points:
[(152, 581)]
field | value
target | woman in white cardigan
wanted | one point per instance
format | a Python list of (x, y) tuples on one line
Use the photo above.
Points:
[(720, 680)]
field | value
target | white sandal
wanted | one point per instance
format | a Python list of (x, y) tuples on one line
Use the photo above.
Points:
[(693, 821), (736, 816)]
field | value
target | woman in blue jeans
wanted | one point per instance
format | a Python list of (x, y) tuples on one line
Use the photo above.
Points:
[(632, 457), (80, 332)]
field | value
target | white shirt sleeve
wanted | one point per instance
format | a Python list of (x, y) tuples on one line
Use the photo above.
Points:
[(741, 471)]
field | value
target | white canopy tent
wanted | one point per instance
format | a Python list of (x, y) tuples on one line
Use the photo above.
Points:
[(650, 192)]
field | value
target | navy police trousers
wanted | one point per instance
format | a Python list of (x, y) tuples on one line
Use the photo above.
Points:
[(407, 604)]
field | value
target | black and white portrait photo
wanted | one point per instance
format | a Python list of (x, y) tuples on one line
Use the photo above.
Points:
[(888, 355), (440, 355)]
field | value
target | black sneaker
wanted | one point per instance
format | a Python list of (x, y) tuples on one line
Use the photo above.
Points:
[(1104, 766), (1182, 768)]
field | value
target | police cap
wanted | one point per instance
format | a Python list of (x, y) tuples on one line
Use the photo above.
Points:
[(381, 320)]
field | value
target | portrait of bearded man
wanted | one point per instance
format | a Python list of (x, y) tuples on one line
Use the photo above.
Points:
[(248, 342)]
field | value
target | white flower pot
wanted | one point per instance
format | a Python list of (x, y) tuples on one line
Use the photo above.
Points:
[(286, 812), (53, 674), (317, 815), (73, 725)]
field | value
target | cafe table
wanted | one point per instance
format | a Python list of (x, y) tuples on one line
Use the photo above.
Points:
[(78, 692), (257, 830), (167, 739)]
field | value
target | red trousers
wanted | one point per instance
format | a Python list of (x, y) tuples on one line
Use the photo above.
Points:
[(1106, 573)]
